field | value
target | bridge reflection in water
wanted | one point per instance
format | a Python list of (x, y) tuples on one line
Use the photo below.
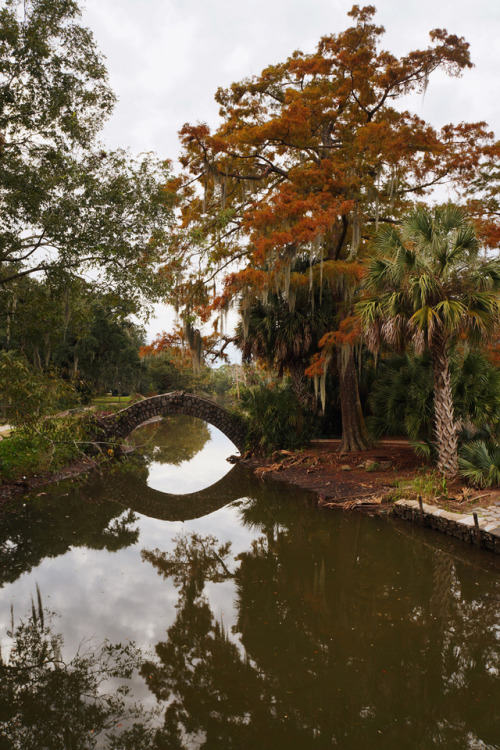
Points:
[(132, 491)]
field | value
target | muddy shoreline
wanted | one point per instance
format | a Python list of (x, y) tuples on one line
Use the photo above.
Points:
[(22, 486), (362, 480)]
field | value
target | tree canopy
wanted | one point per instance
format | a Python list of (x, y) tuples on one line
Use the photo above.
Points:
[(311, 157), (65, 201), (426, 285)]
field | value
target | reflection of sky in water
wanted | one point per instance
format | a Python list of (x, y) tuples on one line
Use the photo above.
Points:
[(203, 470), (364, 623), (116, 596)]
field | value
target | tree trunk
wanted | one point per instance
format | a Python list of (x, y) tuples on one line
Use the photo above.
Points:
[(301, 387), (354, 435), (444, 420)]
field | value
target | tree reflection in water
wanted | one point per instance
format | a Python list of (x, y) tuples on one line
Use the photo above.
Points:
[(335, 644), (49, 526), (49, 703), (172, 440)]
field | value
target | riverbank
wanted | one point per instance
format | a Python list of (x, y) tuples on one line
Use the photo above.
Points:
[(390, 479), (25, 484), (341, 479), (387, 479)]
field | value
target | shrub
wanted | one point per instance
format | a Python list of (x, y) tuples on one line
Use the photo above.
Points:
[(479, 463), (48, 445), (401, 400), (28, 394), (275, 417)]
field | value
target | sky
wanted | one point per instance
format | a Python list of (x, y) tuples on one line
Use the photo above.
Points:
[(166, 59)]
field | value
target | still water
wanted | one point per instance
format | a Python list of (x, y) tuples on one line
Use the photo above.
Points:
[(185, 604)]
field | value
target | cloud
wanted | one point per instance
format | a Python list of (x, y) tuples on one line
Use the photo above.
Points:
[(166, 60)]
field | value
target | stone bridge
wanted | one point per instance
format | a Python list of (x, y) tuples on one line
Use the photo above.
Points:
[(118, 426)]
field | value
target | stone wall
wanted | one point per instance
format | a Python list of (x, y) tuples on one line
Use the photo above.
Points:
[(460, 525), (118, 426)]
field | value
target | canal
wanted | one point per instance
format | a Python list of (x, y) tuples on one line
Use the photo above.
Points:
[(183, 603)]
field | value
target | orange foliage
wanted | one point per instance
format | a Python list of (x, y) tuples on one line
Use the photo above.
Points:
[(317, 366), (493, 352), (348, 333), (310, 157), (165, 342)]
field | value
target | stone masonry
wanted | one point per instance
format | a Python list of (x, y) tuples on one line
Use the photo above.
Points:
[(118, 426), (460, 525)]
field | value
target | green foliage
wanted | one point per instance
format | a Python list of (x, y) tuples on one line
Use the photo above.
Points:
[(168, 373), (401, 398), (67, 202), (21, 455), (479, 462), (46, 445), (476, 389), (428, 485), (276, 419), (108, 357), (427, 281), (402, 395), (42, 439), (427, 286), (284, 330), (27, 395), (63, 324)]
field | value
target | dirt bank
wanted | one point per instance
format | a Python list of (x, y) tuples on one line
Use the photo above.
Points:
[(9, 490), (368, 480)]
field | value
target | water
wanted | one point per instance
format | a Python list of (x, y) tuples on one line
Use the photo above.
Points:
[(258, 620)]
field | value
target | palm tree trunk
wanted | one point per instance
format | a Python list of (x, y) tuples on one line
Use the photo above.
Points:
[(354, 435), (301, 387), (444, 419)]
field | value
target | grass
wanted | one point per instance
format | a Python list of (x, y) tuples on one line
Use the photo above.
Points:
[(428, 486), (111, 400)]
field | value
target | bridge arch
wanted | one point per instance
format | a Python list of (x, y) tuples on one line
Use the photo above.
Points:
[(118, 426)]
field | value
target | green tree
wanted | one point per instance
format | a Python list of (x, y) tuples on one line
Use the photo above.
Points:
[(309, 157), (109, 356), (65, 201), (426, 285), (284, 335), (401, 395), (62, 324)]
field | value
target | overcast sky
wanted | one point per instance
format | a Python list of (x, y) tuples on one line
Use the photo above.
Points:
[(166, 58)]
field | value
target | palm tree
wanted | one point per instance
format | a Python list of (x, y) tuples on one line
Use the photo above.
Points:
[(286, 337), (426, 285)]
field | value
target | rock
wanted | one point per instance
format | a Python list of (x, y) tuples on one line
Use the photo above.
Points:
[(372, 465), (345, 467), (384, 465)]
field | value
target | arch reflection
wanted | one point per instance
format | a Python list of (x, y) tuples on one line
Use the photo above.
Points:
[(132, 491)]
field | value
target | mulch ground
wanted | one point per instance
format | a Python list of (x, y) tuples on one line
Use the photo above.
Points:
[(341, 479)]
